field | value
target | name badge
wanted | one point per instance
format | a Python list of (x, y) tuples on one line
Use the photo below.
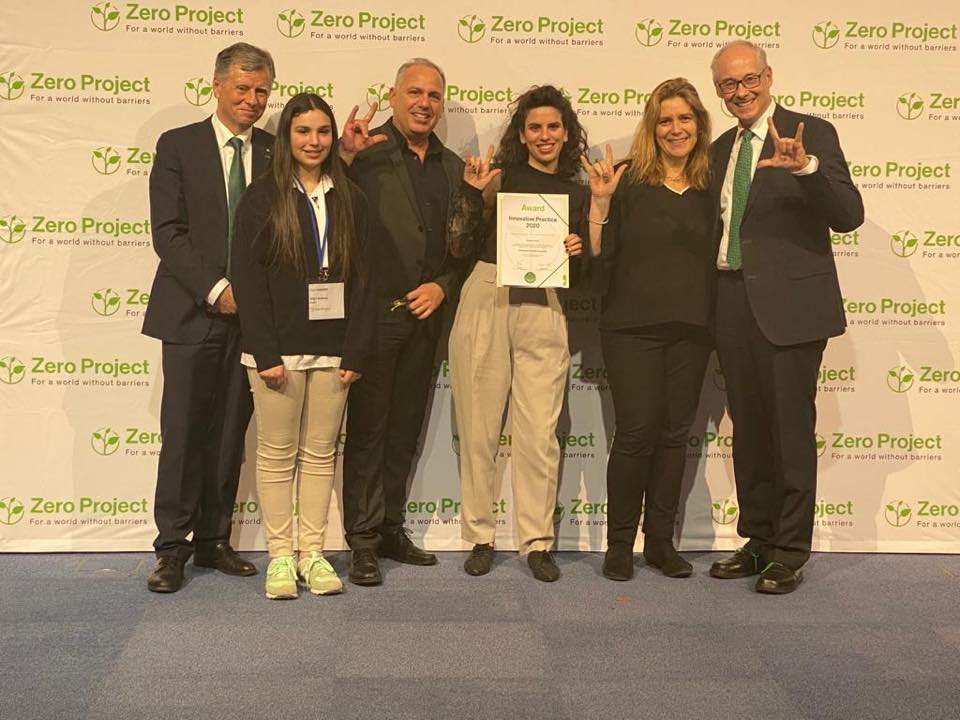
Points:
[(325, 300)]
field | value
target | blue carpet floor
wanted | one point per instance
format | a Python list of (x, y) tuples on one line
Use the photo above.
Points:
[(866, 636)]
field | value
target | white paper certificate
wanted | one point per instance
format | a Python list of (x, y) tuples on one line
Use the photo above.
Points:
[(530, 232)]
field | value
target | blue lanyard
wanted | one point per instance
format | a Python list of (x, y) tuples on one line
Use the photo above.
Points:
[(321, 246)]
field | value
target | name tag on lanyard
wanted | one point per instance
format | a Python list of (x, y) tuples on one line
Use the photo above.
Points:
[(325, 298)]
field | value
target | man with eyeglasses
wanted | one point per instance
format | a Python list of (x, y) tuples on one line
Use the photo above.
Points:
[(781, 183)]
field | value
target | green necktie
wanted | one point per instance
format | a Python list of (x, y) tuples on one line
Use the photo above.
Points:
[(236, 184), (741, 189)]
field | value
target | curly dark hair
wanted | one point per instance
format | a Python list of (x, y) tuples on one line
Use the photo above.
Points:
[(514, 152)]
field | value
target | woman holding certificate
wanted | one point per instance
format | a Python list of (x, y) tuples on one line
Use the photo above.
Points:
[(300, 274), (509, 338), (652, 231)]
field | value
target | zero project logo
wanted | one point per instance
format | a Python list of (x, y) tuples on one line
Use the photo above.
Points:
[(826, 34), (821, 445), (291, 23), (648, 32), (105, 16), (12, 371), (897, 513), (12, 229), (904, 243), (11, 85), (105, 160), (910, 106), (724, 511), (11, 510), (197, 91), (379, 94), (105, 301), (900, 378), (471, 28), (104, 441)]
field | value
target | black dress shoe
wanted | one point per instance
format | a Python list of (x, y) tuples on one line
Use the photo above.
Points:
[(618, 562), (661, 553), (480, 560), (167, 576), (364, 567), (543, 566), (397, 546), (220, 556), (777, 579), (741, 564)]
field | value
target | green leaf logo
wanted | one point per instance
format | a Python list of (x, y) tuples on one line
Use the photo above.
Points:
[(105, 301), (290, 23), (12, 229), (104, 441), (821, 445), (471, 28), (105, 160), (826, 35), (724, 511), (12, 370), (455, 444), (897, 513), (904, 243), (104, 16), (648, 32), (900, 379), (558, 512), (379, 93), (11, 511), (197, 91), (910, 106), (11, 86)]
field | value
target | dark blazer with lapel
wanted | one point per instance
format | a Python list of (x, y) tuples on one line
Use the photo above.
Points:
[(188, 215), (788, 267), (397, 234)]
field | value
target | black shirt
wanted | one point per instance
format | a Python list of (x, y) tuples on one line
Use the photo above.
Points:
[(432, 191), (657, 257)]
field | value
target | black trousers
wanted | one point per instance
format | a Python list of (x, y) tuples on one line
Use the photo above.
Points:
[(385, 412), (771, 396), (655, 375), (204, 413)]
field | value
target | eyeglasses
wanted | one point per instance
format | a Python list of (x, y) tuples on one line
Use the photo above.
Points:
[(750, 82)]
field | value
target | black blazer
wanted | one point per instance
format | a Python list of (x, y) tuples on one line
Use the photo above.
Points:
[(788, 267), (272, 302), (396, 229), (188, 215)]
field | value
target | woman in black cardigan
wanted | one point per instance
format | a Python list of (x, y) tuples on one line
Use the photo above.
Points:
[(657, 258), (300, 272)]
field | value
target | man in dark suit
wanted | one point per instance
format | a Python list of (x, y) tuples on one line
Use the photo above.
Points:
[(781, 183), (198, 175), (408, 177)]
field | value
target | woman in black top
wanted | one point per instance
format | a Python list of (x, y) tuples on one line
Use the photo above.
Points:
[(300, 275), (511, 343), (653, 238)]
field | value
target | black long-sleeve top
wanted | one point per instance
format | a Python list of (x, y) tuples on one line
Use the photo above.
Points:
[(474, 237), (657, 257), (272, 301)]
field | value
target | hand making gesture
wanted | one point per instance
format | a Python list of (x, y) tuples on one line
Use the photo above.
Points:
[(477, 172), (356, 134), (603, 178), (788, 153)]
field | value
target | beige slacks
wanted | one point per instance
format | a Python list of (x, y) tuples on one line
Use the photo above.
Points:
[(508, 345), (297, 426)]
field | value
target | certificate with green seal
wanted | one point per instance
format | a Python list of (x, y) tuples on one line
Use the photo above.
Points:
[(530, 231)]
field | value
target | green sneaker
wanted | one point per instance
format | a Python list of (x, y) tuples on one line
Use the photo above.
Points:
[(282, 579), (318, 575)]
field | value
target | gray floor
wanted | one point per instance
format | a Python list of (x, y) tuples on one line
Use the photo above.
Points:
[(866, 636)]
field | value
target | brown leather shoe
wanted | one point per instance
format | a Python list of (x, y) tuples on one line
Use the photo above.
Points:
[(543, 566), (480, 560), (220, 556), (741, 564)]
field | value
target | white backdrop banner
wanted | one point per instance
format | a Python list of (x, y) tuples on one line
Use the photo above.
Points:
[(86, 89)]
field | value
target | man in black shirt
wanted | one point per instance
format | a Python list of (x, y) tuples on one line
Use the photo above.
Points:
[(408, 176)]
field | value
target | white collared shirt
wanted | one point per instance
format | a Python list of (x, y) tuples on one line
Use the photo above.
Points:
[(759, 130), (226, 160)]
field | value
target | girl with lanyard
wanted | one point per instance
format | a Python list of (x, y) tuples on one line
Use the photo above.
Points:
[(511, 343), (300, 273)]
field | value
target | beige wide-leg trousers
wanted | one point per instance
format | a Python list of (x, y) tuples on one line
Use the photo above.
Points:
[(508, 344), (297, 425)]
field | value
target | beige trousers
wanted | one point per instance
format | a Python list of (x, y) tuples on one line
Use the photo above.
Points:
[(297, 429), (508, 345)]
